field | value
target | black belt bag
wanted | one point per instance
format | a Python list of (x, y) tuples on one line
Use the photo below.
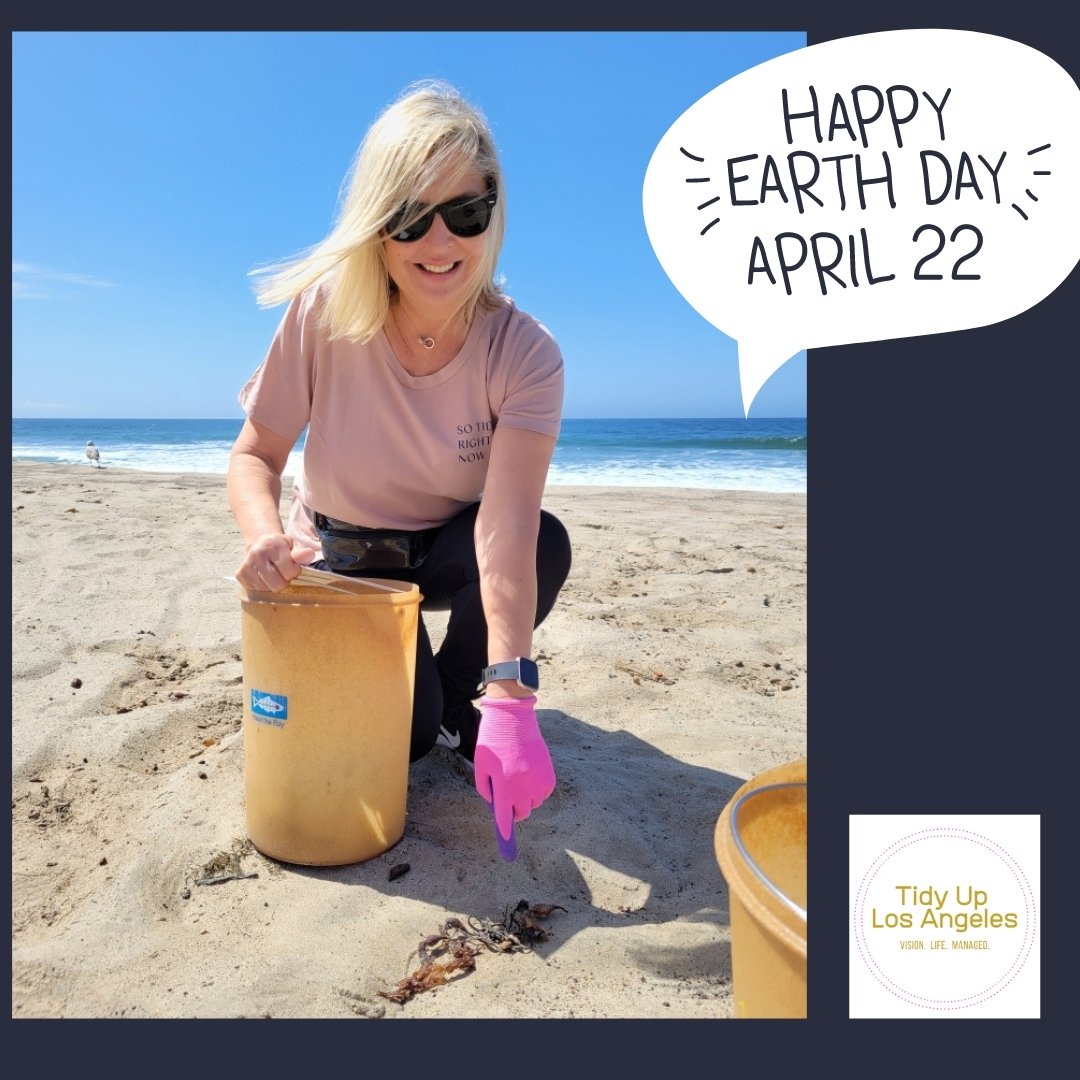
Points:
[(347, 547)]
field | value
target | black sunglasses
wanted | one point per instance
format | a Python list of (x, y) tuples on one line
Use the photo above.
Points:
[(469, 215)]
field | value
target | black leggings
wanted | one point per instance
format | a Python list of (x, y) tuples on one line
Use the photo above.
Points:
[(449, 580)]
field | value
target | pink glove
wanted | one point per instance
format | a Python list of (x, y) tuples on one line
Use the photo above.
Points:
[(511, 760)]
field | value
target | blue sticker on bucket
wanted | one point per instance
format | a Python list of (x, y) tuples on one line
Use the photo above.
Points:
[(269, 708)]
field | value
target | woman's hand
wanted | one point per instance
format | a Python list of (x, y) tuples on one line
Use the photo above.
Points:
[(271, 561), (512, 765)]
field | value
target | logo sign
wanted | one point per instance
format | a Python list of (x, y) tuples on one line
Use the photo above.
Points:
[(944, 919)]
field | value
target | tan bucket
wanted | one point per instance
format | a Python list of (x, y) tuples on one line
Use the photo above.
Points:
[(328, 697), (761, 847)]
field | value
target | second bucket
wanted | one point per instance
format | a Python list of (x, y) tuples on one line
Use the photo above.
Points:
[(328, 697), (760, 841)]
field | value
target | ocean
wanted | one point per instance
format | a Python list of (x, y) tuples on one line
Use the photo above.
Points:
[(731, 453)]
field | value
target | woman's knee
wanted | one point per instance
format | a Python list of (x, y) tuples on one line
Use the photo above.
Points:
[(553, 552), (553, 557)]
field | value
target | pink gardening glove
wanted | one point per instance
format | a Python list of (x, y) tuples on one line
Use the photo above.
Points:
[(511, 760)]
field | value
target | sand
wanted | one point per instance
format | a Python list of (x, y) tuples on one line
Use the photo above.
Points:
[(674, 668)]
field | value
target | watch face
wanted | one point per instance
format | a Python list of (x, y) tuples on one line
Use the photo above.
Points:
[(530, 675)]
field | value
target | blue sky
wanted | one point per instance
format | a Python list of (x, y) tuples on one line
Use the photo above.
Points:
[(152, 171)]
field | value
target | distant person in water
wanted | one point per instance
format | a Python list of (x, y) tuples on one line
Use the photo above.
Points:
[(432, 404)]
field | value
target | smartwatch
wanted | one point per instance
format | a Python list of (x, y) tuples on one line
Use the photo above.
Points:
[(522, 670)]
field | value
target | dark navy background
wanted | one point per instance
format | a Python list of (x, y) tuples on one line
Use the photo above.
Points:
[(939, 651)]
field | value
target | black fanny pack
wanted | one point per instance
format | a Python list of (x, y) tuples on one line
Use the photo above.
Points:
[(347, 547)]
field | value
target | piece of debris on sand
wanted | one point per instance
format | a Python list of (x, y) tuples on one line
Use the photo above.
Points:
[(225, 865), (451, 952)]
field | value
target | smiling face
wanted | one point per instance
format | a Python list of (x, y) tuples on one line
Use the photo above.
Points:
[(436, 274)]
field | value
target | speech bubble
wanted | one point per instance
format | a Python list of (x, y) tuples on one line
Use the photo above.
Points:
[(881, 186)]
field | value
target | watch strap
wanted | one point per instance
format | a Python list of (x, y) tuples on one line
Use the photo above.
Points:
[(508, 669)]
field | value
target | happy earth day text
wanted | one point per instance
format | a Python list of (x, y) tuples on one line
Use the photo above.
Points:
[(845, 178)]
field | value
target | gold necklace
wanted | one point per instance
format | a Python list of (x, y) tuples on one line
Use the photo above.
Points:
[(426, 341)]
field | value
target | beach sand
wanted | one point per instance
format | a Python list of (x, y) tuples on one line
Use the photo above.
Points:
[(673, 667)]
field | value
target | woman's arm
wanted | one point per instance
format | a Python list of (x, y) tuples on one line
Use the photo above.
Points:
[(506, 529), (257, 460), (512, 765)]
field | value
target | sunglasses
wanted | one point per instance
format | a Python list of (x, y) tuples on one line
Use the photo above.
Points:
[(469, 215)]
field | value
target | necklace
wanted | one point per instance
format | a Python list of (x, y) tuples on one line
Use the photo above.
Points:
[(426, 341)]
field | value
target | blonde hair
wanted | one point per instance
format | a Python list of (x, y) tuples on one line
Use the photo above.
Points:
[(429, 132)]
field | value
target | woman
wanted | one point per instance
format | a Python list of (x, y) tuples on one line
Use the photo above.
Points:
[(423, 388)]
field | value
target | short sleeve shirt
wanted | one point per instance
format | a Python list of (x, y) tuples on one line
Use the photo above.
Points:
[(386, 449)]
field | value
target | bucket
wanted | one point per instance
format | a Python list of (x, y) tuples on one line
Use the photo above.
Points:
[(760, 844), (328, 697)]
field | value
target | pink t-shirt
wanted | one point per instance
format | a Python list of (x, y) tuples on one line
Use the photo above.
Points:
[(386, 449)]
